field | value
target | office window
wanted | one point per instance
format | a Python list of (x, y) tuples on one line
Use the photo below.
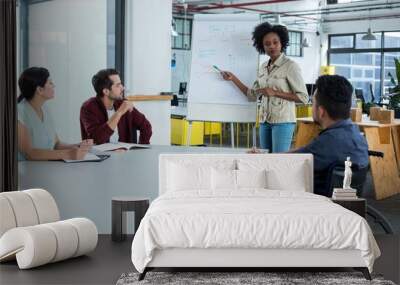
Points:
[(392, 40), (365, 63), (362, 44), (362, 70), (183, 27), (346, 41), (357, 73), (294, 48), (388, 65), (343, 71)]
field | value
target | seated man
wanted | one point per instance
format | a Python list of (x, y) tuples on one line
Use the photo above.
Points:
[(339, 137), (107, 117)]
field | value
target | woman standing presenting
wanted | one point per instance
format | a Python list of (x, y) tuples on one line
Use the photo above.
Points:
[(279, 84)]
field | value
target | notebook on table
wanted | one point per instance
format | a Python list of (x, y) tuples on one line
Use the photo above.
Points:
[(120, 145), (89, 157)]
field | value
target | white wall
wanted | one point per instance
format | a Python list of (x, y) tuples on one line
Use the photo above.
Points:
[(69, 37), (148, 60), (310, 61)]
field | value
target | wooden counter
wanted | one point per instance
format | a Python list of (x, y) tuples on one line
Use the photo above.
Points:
[(149, 98), (380, 137)]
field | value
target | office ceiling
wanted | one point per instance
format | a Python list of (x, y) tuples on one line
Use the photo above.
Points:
[(299, 12)]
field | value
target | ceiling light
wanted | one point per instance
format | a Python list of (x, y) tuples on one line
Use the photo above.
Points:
[(174, 33), (305, 43), (277, 19), (369, 36)]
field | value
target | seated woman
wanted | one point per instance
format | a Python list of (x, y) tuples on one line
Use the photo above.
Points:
[(37, 137)]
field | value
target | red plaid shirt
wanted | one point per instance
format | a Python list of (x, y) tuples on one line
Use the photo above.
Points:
[(93, 120)]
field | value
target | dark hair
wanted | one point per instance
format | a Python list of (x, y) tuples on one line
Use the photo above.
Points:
[(264, 28), (334, 94), (29, 80), (102, 80)]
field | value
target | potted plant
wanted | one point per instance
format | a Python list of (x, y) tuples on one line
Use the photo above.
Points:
[(394, 92)]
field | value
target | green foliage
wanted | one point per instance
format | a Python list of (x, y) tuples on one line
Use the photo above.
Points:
[(394, 100)]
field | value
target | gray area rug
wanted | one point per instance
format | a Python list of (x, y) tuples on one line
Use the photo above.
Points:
[(229, 278)]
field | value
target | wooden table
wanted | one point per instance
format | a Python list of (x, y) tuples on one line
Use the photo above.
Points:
[(138, 98), (380, 137)]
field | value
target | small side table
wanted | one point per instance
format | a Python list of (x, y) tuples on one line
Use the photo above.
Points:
[(121, 205), (357, 205)]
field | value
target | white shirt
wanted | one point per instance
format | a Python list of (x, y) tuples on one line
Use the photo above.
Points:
[(115, 137), (42, 132)]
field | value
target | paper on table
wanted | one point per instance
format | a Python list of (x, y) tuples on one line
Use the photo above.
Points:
[(88, 157), (114, 146)]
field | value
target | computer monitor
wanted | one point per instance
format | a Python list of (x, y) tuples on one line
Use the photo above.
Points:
[(359, 94), (182, 88)]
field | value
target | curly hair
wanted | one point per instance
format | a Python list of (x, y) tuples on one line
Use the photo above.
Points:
[(334, 93), (264, 28)]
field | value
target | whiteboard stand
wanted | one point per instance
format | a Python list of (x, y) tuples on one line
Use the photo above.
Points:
[(189, 134), (232, 136), (223, 40), (254, 135)]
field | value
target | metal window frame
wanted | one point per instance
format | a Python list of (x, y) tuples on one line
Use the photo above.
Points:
[(297, 44), (382, 50), (120, 6), (190, 20), (341, 35), (24, 33)]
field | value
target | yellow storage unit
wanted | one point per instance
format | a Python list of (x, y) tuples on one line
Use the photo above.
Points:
[(327, 70), (179, 132), (211, 128), (303, 111)]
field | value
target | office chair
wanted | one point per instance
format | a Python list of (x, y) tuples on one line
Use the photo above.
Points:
[(335, 180)]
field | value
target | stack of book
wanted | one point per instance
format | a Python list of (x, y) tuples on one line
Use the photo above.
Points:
[(344, 194)]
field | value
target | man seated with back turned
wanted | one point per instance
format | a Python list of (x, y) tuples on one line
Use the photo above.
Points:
[(339, 137), (107, 117)]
